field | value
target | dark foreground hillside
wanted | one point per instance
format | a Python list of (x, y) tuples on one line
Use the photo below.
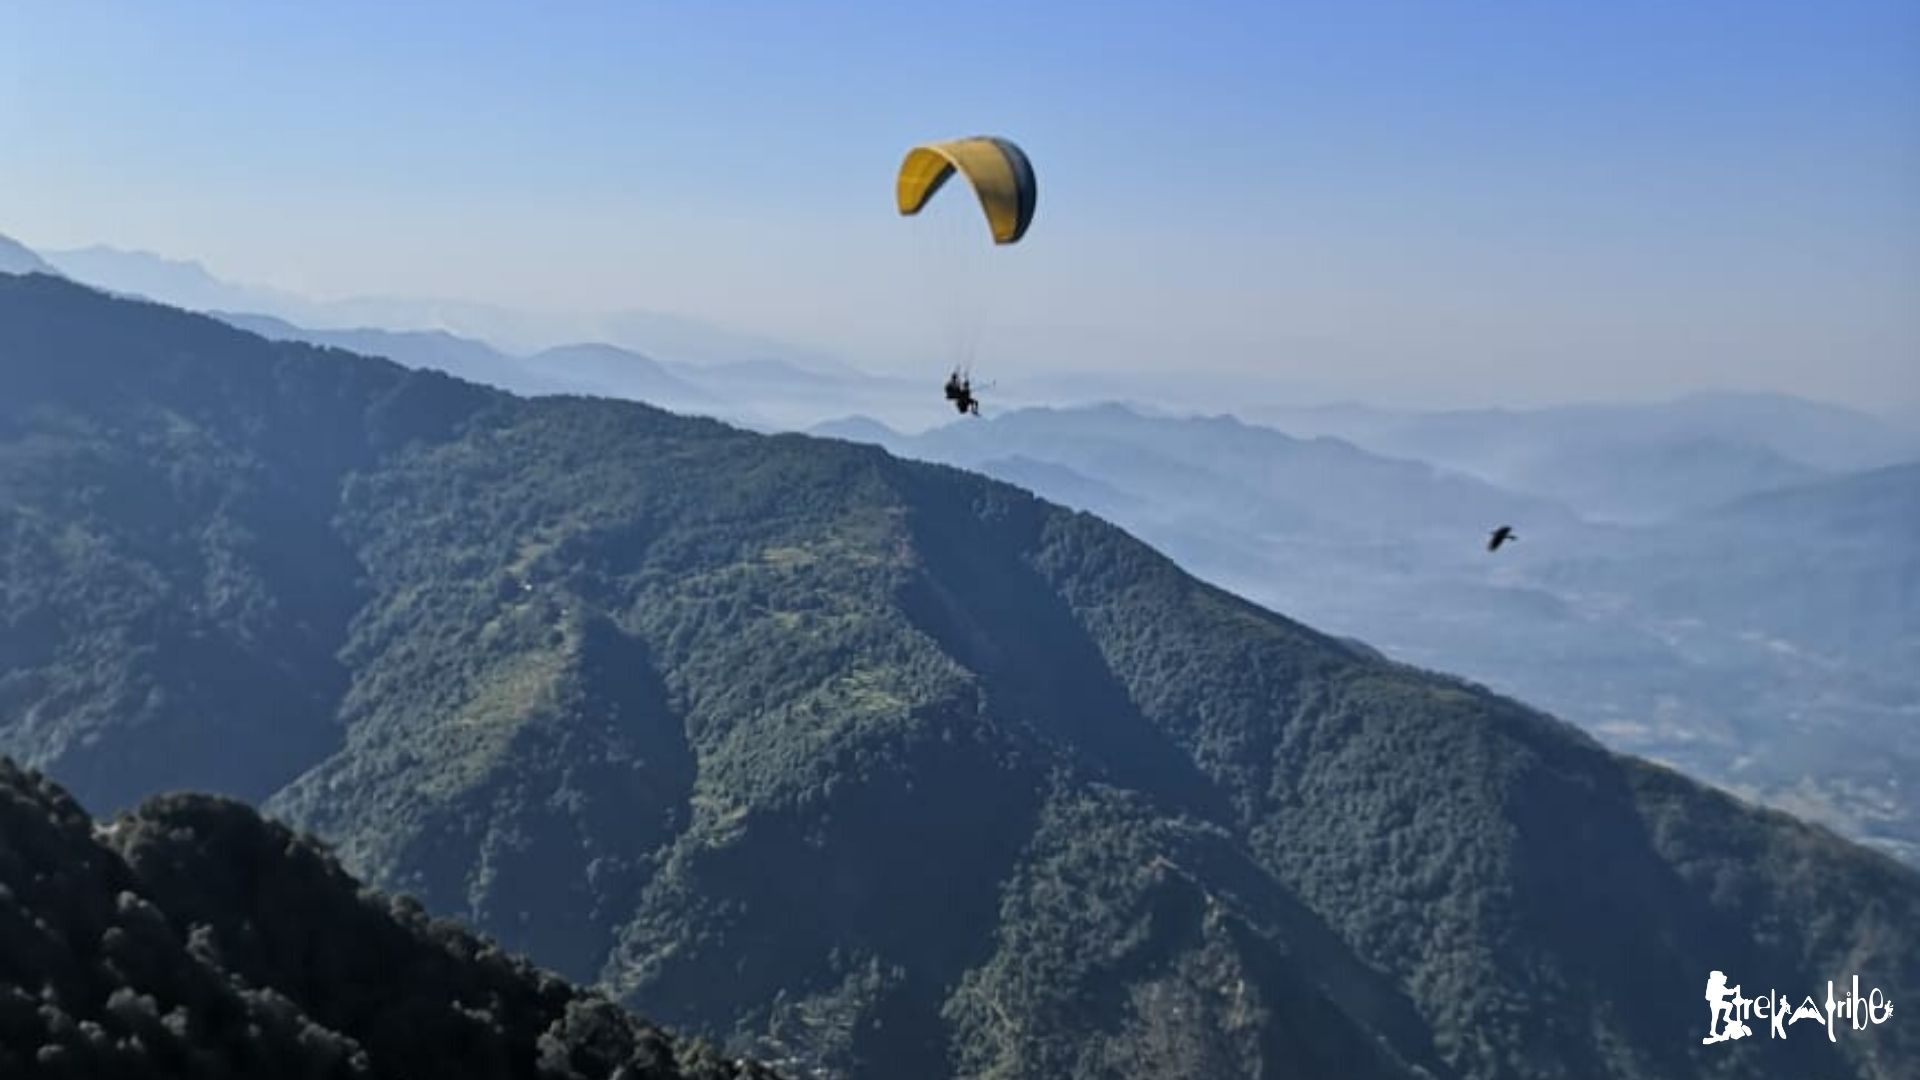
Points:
[(875, 768), (192, 939)]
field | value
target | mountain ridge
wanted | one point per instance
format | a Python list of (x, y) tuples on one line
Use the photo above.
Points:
[(17, 258)]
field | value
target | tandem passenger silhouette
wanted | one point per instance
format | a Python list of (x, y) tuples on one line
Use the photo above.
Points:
[(1728, 1011)]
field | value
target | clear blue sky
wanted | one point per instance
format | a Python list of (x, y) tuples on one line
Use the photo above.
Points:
[(1430, 200)]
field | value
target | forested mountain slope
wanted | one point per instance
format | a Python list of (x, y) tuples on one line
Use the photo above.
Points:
[(869, 766)]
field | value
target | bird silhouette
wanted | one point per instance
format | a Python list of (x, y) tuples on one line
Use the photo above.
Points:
[(1500, 536)]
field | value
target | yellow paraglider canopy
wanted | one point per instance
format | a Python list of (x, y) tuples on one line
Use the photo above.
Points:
[(997, 169)]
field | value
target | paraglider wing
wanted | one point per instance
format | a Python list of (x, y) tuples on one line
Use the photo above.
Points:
[(999, 172)]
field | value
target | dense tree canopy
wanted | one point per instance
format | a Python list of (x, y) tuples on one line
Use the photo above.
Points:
[(192, 939)]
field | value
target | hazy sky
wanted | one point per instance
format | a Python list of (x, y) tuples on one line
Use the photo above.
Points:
[(1428, 201)]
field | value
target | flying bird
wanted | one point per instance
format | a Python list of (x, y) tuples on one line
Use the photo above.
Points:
[(1500, 536)]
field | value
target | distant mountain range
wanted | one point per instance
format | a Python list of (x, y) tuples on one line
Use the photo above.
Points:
[(431, 350), (17, 258), (763, 395), (187, 284), (862, 766), (677, 363), (602, 370), (180, 282), (615, 372), (1634, 463), (1615, 462)]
